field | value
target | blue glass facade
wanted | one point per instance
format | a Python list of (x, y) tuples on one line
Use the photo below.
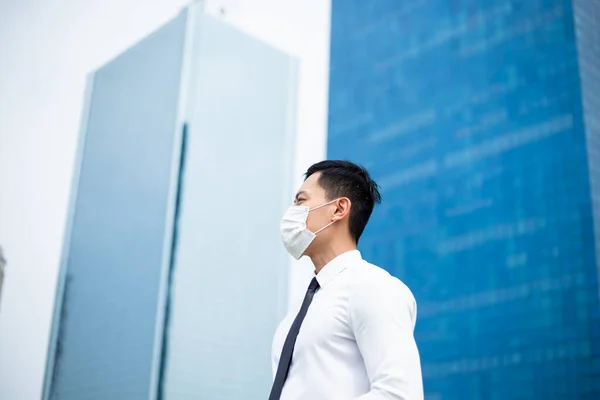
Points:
[(477, 119)]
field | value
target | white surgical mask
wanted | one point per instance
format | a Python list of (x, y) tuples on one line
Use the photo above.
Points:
[(294, 233)]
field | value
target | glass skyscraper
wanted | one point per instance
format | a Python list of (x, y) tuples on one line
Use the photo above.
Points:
[(173, 276), (481, 122)]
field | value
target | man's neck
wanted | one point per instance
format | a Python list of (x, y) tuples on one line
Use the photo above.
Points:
[(326, 255)]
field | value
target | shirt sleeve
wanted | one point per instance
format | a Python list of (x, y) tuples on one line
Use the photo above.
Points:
[(382, 316)]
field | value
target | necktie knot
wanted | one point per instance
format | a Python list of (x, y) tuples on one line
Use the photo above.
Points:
[(314, 284)]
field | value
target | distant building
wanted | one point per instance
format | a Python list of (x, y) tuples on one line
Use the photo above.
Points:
[(164, 293)]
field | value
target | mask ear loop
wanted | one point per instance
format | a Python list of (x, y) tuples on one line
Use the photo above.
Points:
[(323, 205), (326, 226)]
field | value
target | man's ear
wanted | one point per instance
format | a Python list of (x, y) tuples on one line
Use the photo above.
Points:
[(342, 210)]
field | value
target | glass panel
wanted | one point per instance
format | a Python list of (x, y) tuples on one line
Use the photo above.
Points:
[(229, 278), (469, 115), (106, 334)]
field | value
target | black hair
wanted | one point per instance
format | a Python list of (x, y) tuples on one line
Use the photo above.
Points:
[(346, 179)]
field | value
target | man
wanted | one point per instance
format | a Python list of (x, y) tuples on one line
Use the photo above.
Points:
[(352, 338)]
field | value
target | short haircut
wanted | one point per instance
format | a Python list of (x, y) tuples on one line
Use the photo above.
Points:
[(346, 179)]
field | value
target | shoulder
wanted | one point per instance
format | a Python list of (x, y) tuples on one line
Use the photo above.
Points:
[(369, 279), (372, 288)]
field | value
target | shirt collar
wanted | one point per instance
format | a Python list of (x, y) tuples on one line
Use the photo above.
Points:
[(337, 265)]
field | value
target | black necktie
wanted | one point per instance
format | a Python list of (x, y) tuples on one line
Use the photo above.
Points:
[(288, 348)]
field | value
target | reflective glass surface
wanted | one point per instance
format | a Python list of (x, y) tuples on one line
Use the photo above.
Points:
[(175, 277), (471, 117), (229, 277), (105, 340)]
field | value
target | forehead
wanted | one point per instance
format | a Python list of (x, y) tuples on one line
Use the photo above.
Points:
[(311, 186)]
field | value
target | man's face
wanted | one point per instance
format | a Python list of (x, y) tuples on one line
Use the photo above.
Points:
[(312, 195)]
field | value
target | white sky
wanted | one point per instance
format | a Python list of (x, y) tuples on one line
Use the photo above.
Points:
[(46, 49)]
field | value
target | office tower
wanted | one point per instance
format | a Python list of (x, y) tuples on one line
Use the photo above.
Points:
[(481, 121), (173, 277)]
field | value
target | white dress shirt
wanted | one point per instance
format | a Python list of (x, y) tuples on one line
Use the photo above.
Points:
[(356, 342)]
